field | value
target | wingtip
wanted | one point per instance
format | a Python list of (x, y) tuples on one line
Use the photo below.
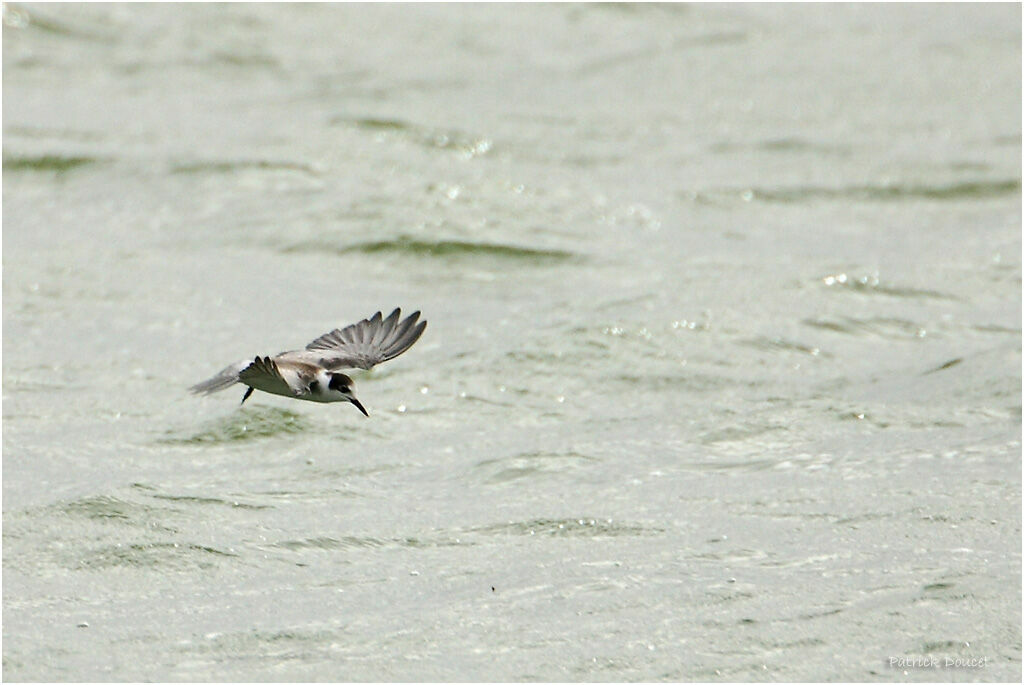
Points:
[(412, 318)]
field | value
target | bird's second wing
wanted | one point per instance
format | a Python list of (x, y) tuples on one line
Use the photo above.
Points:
[(365, 344), (262, 373)]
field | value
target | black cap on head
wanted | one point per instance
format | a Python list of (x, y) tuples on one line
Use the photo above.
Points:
[(340, 382)]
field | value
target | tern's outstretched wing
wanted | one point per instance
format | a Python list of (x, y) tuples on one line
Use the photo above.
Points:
[(264, 374), (365, 344)]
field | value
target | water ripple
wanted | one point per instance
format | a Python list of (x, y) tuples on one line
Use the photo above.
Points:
[(885, 327), (152, 554), (464, 144), (52, 163), (782, 345), (235, 166), (104, 508), (951, 192), (964, 190), (449, 249), (570, 527), (366, 542), (871, 285), (258, 422), (530, 465)]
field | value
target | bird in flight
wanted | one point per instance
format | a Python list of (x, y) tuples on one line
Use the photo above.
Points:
[(313, 374)]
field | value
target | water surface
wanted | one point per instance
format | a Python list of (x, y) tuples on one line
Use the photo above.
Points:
[(721, 379)]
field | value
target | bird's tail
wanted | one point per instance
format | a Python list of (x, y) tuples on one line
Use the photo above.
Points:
[(224, 379)]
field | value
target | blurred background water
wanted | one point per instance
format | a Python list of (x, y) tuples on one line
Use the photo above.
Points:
[(721, 380)]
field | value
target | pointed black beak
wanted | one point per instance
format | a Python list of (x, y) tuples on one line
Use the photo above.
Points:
[(359, 406)]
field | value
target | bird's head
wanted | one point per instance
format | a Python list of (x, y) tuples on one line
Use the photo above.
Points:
[(343, 385)]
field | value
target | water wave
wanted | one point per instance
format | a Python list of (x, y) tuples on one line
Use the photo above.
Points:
[(249, 424), (446, 249)]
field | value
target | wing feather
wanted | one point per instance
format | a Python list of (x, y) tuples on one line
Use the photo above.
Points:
[(384, 328), (368, 332), (401, 344), (399, 333)]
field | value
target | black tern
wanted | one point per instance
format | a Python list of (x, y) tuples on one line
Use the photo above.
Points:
[(312, 374)]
